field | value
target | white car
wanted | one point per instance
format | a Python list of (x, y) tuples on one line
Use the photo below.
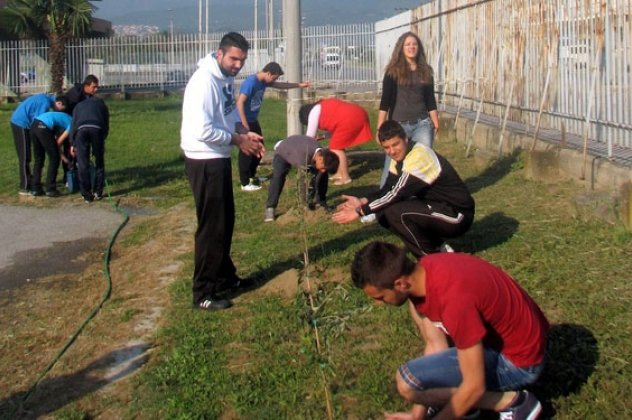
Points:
[(330, 60)]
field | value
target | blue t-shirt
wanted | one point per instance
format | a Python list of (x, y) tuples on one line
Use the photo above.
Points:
[(32, 106), (254, 89), (56, 121)]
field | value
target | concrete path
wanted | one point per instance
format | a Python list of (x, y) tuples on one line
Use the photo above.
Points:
[(36, 241)]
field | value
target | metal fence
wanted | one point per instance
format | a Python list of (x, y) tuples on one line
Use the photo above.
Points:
[(339, 56), (561, 65), (557, 64)]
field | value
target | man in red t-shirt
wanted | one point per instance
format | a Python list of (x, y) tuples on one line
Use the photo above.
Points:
[(499, 332)]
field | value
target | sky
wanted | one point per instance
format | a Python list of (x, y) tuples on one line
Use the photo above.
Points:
[(239, 14)]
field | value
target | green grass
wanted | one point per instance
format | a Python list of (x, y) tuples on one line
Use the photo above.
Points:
[(259, 360)]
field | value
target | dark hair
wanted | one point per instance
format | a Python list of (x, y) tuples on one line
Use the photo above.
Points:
[(399, 69), (331, 160), (63, 99), (90, 79), (234, 39), (379, 264), (390, 129), (303, 113), (273, 68)]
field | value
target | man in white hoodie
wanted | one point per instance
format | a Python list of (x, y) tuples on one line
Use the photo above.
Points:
[(208, 132)]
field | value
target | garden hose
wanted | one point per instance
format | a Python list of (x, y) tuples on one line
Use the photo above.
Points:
[(104, 297)]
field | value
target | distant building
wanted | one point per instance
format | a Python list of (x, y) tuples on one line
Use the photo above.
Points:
[(135, 30)]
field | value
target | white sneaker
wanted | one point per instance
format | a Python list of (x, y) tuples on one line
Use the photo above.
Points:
[(445, 248), (268, 216), (529, 409), (250, 187), (369, 218)]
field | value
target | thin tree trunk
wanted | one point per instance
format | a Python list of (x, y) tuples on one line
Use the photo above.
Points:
[(57, 60)]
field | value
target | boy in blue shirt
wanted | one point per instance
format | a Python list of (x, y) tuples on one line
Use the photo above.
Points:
[(249, 104), (48, 132), (21, 121)]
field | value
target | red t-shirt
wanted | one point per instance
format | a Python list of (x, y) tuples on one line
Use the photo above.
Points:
[(472, 300), (347, 122)]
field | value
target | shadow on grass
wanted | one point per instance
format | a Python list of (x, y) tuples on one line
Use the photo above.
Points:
[(488, 232), (140, 177), (361, 162), (494, 173), (173, 106), (573, 354), (52, 394), (339, 244)]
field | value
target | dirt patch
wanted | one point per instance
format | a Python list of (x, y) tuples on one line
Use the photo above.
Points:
[(38, 317), (295, 214), (284, 285)]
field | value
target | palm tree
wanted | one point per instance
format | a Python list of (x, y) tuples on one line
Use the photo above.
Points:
[(56, 20)]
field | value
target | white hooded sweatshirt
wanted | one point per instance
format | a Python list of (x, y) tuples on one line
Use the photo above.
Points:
[(209, 112)]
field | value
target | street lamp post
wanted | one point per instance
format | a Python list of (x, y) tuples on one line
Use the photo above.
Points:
[(256, 36), (171, 42)]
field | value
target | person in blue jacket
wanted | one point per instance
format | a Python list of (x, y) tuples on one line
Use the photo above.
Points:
[(21, 121), (48, 132)]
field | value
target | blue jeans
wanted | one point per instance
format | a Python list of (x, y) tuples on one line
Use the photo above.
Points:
[(420, 131), (441, 370)]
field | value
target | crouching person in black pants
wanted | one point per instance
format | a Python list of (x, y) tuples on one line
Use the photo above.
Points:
[(90, 127), (423, 200), (306, 154)]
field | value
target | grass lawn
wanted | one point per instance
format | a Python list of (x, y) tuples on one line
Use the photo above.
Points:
[(326, 351)]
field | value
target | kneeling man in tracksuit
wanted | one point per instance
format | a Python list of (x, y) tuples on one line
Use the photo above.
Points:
[(423, 200)]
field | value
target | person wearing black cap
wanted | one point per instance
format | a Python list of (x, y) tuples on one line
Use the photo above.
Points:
[(249, 104)]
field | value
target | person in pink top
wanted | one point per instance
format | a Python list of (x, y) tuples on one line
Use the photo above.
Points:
[(499, 332), (347, 123)]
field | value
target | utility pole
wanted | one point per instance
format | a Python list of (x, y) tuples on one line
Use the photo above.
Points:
[(270, 18), (293, 61), (171, 42), (206, 27), (256, 37), (201, 51), (199, 17)]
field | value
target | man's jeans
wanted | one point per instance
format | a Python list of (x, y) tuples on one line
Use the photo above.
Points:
[(441, 370)]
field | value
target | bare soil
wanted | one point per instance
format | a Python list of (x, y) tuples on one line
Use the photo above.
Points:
[(38, 317)]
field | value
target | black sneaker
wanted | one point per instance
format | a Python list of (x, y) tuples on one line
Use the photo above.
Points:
[(37, 193), (212, 303), (88, 198), (53, 193), (24, 192), (525, 407), (98, 197)]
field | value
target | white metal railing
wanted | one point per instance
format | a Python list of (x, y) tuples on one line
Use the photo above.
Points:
[(341, 56), (557, 64)]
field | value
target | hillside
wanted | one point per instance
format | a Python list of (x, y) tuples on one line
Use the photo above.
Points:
[(238, 14)]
